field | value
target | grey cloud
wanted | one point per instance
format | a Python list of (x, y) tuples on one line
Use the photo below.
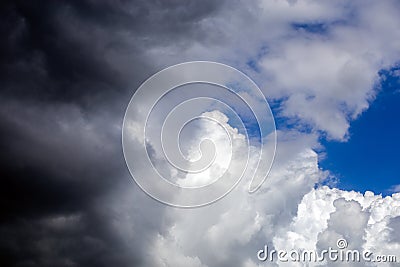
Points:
[(67, 71)]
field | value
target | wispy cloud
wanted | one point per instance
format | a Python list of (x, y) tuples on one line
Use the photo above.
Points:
[(67, 73)]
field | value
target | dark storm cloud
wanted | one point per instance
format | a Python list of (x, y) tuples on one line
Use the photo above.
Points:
[(54, 152), (60, 50), (67, 70), (50, 54)]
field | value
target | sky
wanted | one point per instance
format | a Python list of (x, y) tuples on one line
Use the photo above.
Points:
[(368, 160), (328, 69)]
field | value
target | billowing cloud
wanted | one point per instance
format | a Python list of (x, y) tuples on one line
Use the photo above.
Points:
[(67, 72)]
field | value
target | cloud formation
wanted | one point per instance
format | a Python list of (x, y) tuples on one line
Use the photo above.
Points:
[(67, 71)]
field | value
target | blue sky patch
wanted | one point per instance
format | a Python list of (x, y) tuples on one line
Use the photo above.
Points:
[(370, 159)]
